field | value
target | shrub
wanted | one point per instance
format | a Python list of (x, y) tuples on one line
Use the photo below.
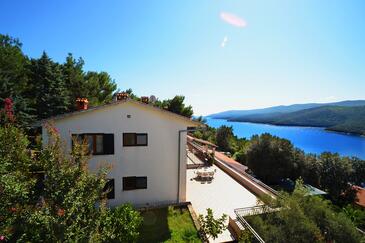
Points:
[(211, 226), (52, 197), (122, 224)]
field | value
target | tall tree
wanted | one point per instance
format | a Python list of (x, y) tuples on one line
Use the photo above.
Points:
[(74, 79), (48, 87), (335, 173), (14, 78), (312, 169), (270, 157), (100, 87), (224, 136), (358, 173)]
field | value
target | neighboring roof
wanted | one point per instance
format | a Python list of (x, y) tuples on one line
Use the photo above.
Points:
[(202, 141), (314, 191), (150, 106), (360, 196)]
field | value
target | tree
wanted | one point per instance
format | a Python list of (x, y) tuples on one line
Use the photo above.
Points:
[(356, 215), (358, 173), (240, 156), (303, 218), (48, 88), (176, 105), (74, 79), (270, 158), (224, 136), (100, 87), (312, 169), (12, 64), (211, 226), (50, 196), (41, 88), (14, 78), (335, 174)]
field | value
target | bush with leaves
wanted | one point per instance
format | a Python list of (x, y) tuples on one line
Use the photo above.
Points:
[(121, 224), (211, 226), (304, 218), (52, 197)]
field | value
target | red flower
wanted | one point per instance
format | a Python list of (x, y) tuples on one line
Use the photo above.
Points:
[(8, 109), (13, 209), (60, 212), (2, 238)]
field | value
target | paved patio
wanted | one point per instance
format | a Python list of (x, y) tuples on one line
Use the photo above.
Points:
[(223, 194)]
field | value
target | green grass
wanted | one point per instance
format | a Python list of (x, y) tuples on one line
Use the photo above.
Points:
[(168, 225)]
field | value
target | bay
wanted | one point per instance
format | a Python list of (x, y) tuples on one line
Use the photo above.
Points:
[(310, 139)]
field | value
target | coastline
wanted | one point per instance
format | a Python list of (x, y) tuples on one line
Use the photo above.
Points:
[(328, 129)]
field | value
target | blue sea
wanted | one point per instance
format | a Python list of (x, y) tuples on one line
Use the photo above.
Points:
[(310, 139)]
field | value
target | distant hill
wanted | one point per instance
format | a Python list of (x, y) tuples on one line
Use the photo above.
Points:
[(234, 114), (349, 119)]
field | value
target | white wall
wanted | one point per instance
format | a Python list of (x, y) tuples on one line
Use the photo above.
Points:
[(158, 161)]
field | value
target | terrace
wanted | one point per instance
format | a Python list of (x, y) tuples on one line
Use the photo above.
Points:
[(228, 191), (222, 194)]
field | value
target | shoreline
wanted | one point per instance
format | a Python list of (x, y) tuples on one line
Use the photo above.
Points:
[(328, 129)]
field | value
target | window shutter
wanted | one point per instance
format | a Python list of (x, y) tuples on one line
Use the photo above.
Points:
[(109, 188), (129, 183), (108, 141), (141, 182)]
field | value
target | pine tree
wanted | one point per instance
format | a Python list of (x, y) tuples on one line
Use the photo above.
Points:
[(14, 78), (100, 87), (74, 78), (49, 89)]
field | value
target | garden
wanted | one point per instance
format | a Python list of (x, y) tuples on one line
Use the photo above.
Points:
[(168, 224)]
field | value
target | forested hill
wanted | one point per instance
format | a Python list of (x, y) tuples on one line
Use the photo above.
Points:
[(336, 118), (234, 114)]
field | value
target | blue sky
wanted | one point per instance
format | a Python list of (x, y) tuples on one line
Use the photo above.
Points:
[(289, 51)]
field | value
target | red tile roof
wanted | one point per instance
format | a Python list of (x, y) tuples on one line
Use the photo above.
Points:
[(360, 196)]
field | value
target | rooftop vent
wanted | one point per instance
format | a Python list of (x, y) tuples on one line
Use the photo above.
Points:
[(122, 96), (81, 104)]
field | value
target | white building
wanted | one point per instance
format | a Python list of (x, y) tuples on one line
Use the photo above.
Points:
[(145, 145)]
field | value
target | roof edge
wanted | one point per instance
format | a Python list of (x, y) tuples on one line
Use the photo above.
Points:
[(69, 114)]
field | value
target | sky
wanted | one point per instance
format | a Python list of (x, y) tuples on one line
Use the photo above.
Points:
[(220, 54)]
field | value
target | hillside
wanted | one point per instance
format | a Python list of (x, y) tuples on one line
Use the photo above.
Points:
[(234, 114), (336, 118)]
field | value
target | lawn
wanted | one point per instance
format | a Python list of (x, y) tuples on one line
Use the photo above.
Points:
[(170, 224)]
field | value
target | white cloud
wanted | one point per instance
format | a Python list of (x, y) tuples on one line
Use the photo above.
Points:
[(224, 42), (233, 20)]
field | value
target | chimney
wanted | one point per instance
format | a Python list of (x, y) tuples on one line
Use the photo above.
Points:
[(122, 96), (145, 99), (82, 104)]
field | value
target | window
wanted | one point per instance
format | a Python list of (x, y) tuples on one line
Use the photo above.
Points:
[(98, 143), (134, 182), (109, 189), (135, 139)]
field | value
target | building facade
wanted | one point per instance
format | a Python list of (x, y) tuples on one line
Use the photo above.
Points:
[(144, 145)]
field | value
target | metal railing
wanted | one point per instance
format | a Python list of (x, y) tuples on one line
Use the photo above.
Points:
[(255, 210), (260, 183), (251, 178), (247, 226)]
